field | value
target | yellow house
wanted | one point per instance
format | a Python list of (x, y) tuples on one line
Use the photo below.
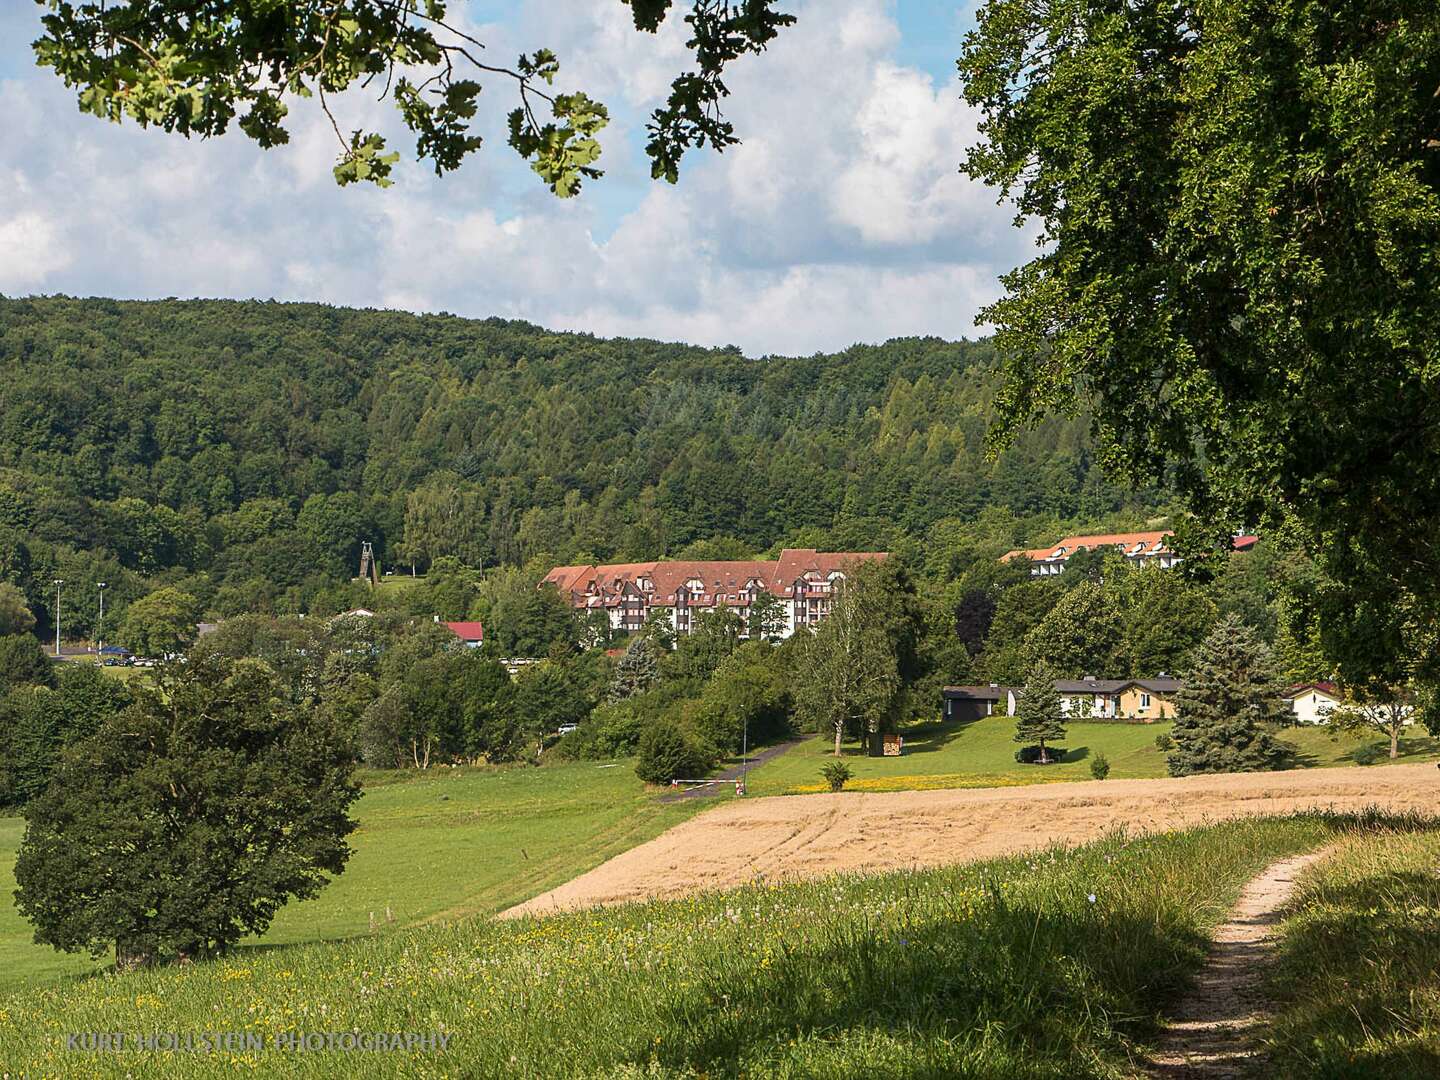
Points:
[(1149, 699)]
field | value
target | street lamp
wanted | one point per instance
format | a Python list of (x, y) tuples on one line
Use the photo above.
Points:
[(58, 583), (100, 625)]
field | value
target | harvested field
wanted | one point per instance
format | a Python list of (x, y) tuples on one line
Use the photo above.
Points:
[(814, 835)]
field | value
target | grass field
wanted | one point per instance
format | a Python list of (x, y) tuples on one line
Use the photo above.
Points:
[(1359, 972), (981, 753), (448, 844), (1055, 965)]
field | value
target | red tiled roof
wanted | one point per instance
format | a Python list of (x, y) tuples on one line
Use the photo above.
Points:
[(466, 631), (720, 581), (1134, 543)]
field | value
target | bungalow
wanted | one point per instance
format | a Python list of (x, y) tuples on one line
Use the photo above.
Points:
[(974, 702), (471, 633), (1312, 703), (1145, 700)]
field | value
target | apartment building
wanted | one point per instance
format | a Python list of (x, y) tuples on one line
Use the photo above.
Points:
[(802, 579), (1139, 549)]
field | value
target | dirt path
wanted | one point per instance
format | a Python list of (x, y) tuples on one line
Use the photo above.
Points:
[(813, 835), (732, 774), (1212, 1034)]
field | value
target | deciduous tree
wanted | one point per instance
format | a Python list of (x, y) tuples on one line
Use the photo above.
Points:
[(185, 822), (163, 64), (15, 616), (1238, 204)]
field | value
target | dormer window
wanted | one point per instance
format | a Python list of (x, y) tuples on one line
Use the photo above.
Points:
[(646, 585), (695, 585)]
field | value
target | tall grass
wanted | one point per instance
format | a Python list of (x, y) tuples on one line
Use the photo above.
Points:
[(1055, 965), (1358, 978)]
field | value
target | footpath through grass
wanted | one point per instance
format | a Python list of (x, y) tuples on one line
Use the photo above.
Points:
[(1358, 980), (981, 753), (1051, 965), (439, 845)]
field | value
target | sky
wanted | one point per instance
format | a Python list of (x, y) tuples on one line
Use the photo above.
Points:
[(841, 218)]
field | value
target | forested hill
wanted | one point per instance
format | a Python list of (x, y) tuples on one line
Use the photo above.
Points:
[(258, 443)]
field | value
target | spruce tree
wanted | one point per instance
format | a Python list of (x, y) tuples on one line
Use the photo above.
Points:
[(1038, 719), (637, 670), (1221, 713)]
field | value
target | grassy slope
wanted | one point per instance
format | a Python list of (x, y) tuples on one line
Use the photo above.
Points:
[(1047, 966), (454, 842), (982, 754), (1359, 972)]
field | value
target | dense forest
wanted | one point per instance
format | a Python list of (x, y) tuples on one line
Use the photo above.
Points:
[(225, 460), (240, 452)]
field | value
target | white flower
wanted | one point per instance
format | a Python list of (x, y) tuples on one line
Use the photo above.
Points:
[(1091, 898)]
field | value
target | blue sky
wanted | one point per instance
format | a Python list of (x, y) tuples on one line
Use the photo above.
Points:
[(841, 218)]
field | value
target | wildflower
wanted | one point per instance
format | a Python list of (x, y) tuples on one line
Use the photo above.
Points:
[(1091, 898)]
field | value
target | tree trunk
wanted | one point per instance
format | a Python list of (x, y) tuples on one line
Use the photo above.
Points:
[(839, 728), (1395, 741)]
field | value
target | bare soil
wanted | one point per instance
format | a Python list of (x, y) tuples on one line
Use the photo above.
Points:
[(1212, 1034), (803, 836)]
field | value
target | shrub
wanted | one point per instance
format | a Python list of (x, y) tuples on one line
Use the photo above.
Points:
[(1030, 755), (836, 774), (669, 752), (1368, 754), (1100, 766), (1163, 742)]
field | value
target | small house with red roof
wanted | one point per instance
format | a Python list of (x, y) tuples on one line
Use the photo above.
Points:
[(471, 633)]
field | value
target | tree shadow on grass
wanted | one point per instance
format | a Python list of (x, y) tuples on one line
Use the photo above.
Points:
[(1353, 978), (1047, 993)]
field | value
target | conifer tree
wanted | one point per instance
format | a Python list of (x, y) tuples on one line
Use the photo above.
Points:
[(1231, 694), (1038, 718), (637, 669)]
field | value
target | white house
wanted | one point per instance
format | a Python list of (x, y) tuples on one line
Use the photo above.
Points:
[(1312, 703)]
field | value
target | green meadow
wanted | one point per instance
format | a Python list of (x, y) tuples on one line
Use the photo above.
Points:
[(449, 843), (1056, 964), (981, 753), (1358, 979)]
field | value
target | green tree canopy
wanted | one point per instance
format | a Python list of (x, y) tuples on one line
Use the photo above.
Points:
[(1230, 699), (849, 672), (1082, 634), (15, 616), (1038, 717), (24, 663), (159, 624), (186, 821), (1239, 209), (196, 70)]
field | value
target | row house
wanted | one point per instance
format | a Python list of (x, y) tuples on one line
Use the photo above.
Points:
[(1145, 700), (802, 579), (1139, 549)]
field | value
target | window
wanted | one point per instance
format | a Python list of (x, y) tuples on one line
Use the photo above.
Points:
[(1144, 701)]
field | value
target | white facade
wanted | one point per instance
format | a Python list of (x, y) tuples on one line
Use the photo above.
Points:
[(1313, 705)]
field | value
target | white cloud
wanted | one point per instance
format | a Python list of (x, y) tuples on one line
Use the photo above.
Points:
[(30, 251), (841, 218)]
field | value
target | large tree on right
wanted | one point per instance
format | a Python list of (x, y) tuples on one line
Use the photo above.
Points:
[(1239, 212)]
